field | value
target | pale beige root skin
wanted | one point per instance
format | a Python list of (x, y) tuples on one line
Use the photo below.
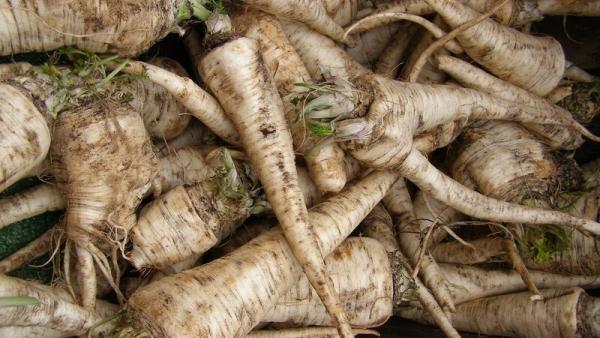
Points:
[(563, 313), (326, 167), (34, 249), (311, 13), (342, 12), (307, 332), (504, 161), (123, 27), (31, 202), (480, 250), (469, 283), (376, 21), (55, 310), (24, 136), (10, 70), (242, 235), (329, 57), (574, 73), (428, 211), (389, 62), (473, 77), (429, 74), (256, 275), (184, 166), (287, 69), (164, 117), (229, 71), (361, 275), (417, 169), (378, 225), (533, 63), (310, 191), (104, 165), (195, 134), (399, 109), (370, 44), (410, 240), (571, 7), (198, 102), (184, 222)]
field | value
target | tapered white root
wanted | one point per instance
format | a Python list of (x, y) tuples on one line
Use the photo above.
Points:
[(198, 102), (417, 169), (29, 203), (308, 332)]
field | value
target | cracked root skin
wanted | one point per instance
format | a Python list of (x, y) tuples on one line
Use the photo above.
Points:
[(126, 27), (24, 136), (563, 313)]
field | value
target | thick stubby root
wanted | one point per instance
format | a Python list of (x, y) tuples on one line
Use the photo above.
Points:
[(469, 283), (533, 63), (266, 265), (104, 165), (417, 169), (198, 102), (378, 225), (583, 101), (504, 161), (311, 13), (31, 202), (326, 167), (164, 117), (310, 191), (10, 70), (184, 166), (24, 136), (123, 27), (562, 313), (185, 222), (361, 274), (55, 310), (440, 136), (470, 76)]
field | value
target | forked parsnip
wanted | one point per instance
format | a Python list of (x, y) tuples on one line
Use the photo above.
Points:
[(256, 275), (128, 27), (104, 165), (24, 136), (399, 109), (236, 74), (564, 313), (530, 62)]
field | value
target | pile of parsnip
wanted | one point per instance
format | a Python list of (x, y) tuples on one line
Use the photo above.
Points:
[(324, 165)]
